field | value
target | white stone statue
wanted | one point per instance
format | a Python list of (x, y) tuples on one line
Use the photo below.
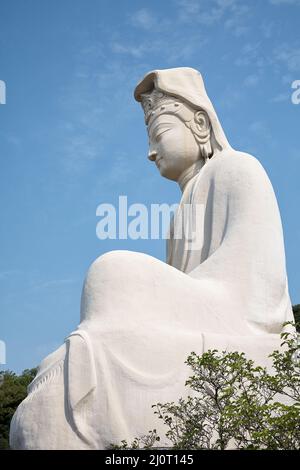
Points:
[(224, 288)]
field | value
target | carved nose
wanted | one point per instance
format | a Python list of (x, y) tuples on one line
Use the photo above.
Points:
[(152, 155)]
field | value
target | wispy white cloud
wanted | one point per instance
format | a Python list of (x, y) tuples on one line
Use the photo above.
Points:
[(133, 50), (281, 97), (267, 29), (172, 44), (143, 19), (121, 169), (53, 284), (99, 92), (288, 56), (230, 98), (261, 131), (98, 89), (149, 21), (201, 12), (249, 54), (13, 140), (258, 127), (287, 79), (284, 2), (251, 80), (188, 10), (232, 13), (236, 23)]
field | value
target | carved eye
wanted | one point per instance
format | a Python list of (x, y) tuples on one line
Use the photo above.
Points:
[(160, 133)]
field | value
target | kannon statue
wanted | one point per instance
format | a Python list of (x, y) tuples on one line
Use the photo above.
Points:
[(224, 286)]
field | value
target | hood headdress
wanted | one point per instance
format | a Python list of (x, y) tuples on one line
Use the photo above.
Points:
[(185, 84)]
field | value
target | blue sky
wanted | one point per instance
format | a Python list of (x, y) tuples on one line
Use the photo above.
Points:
[(72, 136)]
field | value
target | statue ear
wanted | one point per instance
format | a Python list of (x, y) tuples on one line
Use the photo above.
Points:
[(201, 129), (81, 373), (202, 125)]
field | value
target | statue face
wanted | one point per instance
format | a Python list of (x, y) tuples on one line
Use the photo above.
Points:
[(173, 147)]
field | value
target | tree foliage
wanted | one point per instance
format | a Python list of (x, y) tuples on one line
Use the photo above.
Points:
[(235, 404), (13, 389), (296, 312)]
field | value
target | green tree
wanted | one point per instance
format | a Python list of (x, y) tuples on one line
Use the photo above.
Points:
[(235, 404), (13, 389), (296, 311)]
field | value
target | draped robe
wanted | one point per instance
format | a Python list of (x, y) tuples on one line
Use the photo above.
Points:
[(140, 317)]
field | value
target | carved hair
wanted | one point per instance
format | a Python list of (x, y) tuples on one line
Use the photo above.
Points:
[(156, 103)]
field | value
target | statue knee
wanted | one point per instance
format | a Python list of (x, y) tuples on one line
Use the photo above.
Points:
[(107, 264), (104, 276)]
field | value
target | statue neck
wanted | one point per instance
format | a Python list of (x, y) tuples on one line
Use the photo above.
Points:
[(189, 173)]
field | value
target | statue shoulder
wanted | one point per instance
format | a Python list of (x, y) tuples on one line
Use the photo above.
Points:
[(236, 166), (232, 172)]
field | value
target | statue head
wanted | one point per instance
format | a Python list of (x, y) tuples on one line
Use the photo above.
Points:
[(182, 125), (179, 136)]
